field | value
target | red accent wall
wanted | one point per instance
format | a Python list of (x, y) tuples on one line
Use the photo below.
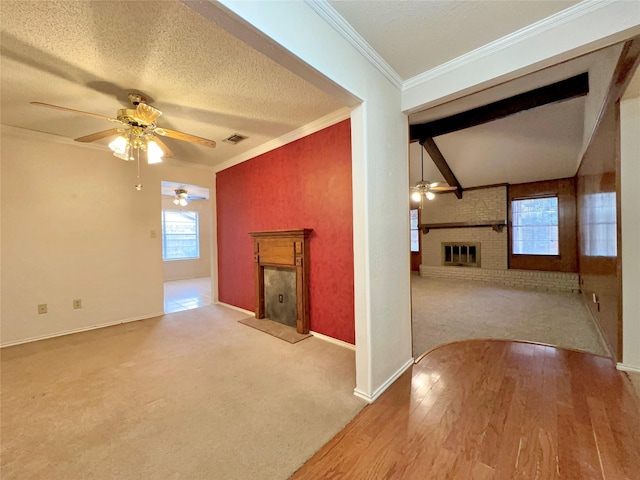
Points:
[(304, 184)]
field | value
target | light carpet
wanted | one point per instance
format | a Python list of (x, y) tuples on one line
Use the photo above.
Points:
[(445, 311), (190, 395)]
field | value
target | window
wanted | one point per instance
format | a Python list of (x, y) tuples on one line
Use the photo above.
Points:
[(180, 235), (415, 233), (535, 226)]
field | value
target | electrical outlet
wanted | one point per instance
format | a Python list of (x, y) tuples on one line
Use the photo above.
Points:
[(77, 303), (42, 308), (281, 298)]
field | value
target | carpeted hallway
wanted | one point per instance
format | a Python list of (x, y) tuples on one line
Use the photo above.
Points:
[(446, 311), (190, 395)]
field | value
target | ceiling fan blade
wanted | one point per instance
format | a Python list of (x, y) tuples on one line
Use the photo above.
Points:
[(185, 137), (97, 136), (443, 188), (167, 151), (66, 109)]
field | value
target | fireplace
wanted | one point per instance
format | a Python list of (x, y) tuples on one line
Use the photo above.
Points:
[(281, 259)]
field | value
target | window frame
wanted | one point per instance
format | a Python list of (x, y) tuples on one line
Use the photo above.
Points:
[(164, 235), (511, 226), (566, 190)]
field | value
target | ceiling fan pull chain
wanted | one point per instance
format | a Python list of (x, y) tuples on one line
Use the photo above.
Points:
[(138, 185)]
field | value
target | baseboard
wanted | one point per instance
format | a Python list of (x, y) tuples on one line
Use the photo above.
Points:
[(335, 341), (627, 368), (380, 390), (79, 330), (185, 278), (603, 339), (233, 307)]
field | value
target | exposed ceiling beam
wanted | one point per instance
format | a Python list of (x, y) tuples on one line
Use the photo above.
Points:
[(573, 87), (437, 157), (627, 64)]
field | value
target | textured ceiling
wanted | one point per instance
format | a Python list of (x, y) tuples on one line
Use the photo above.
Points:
[(414, 36), (87, 55)]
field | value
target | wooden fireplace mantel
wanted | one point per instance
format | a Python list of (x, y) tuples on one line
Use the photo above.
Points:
[(286, 249)]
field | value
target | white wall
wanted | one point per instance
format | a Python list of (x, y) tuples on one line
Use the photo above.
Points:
[(200, 267), (379, 131), (73, 226), (584, 28), (630, 210)]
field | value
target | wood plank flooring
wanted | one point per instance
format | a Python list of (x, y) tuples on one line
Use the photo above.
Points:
[(491, 409)]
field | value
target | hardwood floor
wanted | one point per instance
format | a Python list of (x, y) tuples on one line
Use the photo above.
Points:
[(491, 409)]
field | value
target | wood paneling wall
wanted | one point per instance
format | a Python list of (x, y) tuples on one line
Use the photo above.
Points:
[(567, 260), (600, 276)]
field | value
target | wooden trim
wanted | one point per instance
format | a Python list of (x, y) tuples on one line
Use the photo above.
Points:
[(482, 187), (626, 66), (442, 165), (619, 220), (496, 225), (573, 87), (304, 232)]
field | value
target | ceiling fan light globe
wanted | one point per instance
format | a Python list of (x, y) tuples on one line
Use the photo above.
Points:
[(154, 152), (124, 155), (430, 195), (183, 202), (176, 201), (415, 196), (119, 145)]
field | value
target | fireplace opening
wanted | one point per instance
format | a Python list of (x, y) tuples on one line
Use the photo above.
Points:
[(461, 254), (280, 295)]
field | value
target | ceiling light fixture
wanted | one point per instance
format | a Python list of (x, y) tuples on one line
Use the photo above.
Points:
[(127, 146), (421, 189), (424, 189), (181, 198), (132, 141)]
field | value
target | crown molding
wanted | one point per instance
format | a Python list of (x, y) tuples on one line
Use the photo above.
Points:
[(308, 129), (560, 18), (47, 137), (340, 25)]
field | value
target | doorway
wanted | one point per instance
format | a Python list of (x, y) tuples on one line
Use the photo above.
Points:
[(186, 246)]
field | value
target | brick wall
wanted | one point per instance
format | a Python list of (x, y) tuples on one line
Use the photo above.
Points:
[(475, 206), (559, 281)]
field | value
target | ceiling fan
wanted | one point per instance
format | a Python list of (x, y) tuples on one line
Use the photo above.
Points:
[(425, 189), (136, 131)]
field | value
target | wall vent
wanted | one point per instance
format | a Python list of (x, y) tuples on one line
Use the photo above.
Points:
[(235, 138)]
